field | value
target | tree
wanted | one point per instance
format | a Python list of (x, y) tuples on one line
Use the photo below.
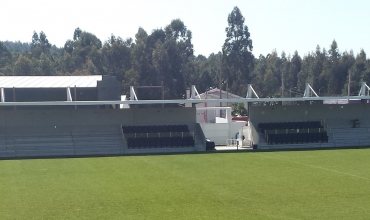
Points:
[(356, 74), (345, 64), (239, 109), (46, 65), (5, 55), (332, 69), (160, 63), (317, 68), (76, 34), (163, 56), (237, 53), (85, 47), (40, 44), (23, 66), (258, 75), (17, 46), (305, 72), (177, 30), (296, 65), (67, 63), (116, 56)]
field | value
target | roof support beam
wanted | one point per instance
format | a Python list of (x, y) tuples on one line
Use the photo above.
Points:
[(194, 93), (250, 92), (364, 86), (308, 90), (2, 95), (132, 93), (69, 96)]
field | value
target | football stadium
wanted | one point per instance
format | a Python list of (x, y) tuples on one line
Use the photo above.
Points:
[(73, 148)]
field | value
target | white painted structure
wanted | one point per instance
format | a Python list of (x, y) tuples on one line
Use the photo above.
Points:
[(209, 115), (49, 81), (224, 130)]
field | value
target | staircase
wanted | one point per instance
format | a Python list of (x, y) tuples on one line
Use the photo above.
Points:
[(347, 137), (199, 142), (97, 143), (41, 142)]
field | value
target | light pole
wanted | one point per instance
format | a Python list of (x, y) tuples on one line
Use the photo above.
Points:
[(349, 83), (320, 90), (206, 105), (290, 91), (220, 84)]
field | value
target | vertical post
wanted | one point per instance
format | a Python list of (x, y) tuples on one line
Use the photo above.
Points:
[(249, 95), (132, 96), (2, 95), (69, 97), (14, 98), (227, 92), (363, 89), (192, 95), (220, 101), (162, 90), (220, 84), (162, 93), (249, 91), (206, 105), (282, 84), (307, 90), (75, 96), (349, 83)]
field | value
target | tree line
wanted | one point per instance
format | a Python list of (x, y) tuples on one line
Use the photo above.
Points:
[(166, 57)]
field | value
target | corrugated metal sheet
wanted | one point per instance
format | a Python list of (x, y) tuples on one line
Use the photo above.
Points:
[(49, 81)]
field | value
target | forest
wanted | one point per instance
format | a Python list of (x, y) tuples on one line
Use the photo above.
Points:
[(166, 57)]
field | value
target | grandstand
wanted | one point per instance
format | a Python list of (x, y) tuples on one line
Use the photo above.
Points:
[(81, 115), (74, 116), (311, 125)]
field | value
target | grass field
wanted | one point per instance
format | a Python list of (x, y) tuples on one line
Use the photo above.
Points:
[(333, 184)]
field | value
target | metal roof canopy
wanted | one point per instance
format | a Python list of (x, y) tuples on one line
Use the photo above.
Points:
[(362, 95), (177, 101), (49, 81)]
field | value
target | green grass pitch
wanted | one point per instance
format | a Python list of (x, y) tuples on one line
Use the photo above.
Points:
[(321, 184)]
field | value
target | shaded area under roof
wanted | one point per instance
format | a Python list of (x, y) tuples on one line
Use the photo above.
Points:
[(49, 81)]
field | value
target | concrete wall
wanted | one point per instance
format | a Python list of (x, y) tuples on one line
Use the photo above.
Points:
[(334, 115), (209, 115), (216, 132), (49, 94), (220, 132), (109, 88), (46, 120)]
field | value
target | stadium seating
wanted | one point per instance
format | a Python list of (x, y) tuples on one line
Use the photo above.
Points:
[(289, 125), (293, 132), (158, 136), (155, 128), (158, 142), (297, 138)]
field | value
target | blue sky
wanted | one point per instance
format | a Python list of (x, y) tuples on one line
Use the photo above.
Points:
[(284, 25)]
